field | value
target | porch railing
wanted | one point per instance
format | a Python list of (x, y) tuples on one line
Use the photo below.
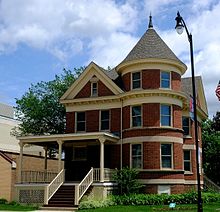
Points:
[(81, 188), (37, 176), (108, 174), (54, 186)]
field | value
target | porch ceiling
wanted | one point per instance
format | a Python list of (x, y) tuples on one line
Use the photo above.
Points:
[(40, 139)]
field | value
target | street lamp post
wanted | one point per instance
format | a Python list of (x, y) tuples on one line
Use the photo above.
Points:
[(180, 25)]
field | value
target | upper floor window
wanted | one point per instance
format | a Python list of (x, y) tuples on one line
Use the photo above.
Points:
[(105, 120), (165, 115), (166, 156), (165, 79), (136, 80), (186, 125), (136, 116), (80, 121), (136, 157), (94, 88), (187, 160)]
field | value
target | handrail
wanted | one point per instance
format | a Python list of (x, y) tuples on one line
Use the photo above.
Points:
[(54, 186), (107, 174), (210, 184), (82, 187)]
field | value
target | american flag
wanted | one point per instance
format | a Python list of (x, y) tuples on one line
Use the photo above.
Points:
[(217, 91)]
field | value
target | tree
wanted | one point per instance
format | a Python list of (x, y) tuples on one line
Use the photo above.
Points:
[(126, 179), (211, 149), (39, 109)]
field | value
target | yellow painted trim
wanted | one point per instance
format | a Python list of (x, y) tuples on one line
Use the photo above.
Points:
[(189, 146), (91, 70), (151, 63), (160, 139), (162, 181)]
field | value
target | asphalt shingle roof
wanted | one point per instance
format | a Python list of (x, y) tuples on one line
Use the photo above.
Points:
[(151, 46)]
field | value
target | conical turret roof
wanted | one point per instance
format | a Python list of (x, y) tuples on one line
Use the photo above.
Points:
[(151, 46)]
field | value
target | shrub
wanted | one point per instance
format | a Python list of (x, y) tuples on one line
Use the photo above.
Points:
[(126, 179), (90, 204), (3, 201)]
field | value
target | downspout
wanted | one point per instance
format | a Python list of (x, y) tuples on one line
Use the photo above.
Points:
[(121, 143)]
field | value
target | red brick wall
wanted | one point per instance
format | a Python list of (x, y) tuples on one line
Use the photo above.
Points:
[(115, 120), (177, 189), (103, 90), (151, 79), (126, 155), (85, 92), (160, 175), (151, 115), (126, 117), (175, 81), (115, 157), (70, 122), (151, 155), (92, 121), (178, 156), (177, 117), (127, 81)]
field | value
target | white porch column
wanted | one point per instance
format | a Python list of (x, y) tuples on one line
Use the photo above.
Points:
[(45, 158), (102, 141), (60, 142), (21, 144)]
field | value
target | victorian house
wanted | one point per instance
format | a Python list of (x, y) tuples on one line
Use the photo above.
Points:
[(136, 115)]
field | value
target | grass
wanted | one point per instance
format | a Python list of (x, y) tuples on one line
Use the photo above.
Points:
[(180, 208), (8, 207)]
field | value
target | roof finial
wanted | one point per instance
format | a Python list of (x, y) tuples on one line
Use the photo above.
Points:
[(150, 25)]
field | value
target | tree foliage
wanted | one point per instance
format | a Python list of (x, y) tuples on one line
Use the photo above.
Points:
[(211, 148), (39, 109)]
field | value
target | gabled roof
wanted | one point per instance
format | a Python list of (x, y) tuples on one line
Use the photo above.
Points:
[(6, 110), (151, 46), (186, 86), (91, 70)]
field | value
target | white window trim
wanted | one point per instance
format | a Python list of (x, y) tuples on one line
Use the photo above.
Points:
[(172, 165), (92, 94), (190, 153), (161, 79), (100, 120), (190, 128), (171, 116), (132, 80), (168, 188), (76, 121), (141, 155), (131, 117)]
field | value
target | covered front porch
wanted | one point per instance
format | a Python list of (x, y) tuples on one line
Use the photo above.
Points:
[(83, 159)]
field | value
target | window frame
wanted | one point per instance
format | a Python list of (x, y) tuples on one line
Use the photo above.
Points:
[(92, 89), (188, 161), (131, 155), (100, 120), (189, 126), (131, 119), (76, 121), (161, 79), (162, 188), (171, 156), (132, 80), (170, 115)]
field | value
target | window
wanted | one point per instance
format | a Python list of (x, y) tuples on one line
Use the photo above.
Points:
[(136, 80), (136, 156), (80, 121), (187, 160), (105, 120), (164, 189), (165, 115), (94, 88), (165, 79), (186, 125), (166, 156), (79, 153), (136, 116)]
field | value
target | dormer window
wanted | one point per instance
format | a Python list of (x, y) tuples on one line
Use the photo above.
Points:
[(136, 80), (94, 88), (165, 79)]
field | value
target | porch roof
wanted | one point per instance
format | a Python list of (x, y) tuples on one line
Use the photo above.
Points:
[(106, 136)]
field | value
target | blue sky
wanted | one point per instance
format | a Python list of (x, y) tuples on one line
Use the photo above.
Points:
[(39, 38)]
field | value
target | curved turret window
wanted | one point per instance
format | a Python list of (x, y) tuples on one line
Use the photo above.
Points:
[(165, 79), (136, 116), (165, 115), (136, 80)]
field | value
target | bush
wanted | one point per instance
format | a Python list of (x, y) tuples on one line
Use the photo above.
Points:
[(3, 201), (126, 179), (90, 204)]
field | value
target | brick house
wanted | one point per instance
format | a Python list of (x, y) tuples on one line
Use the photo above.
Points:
[(135, 115)]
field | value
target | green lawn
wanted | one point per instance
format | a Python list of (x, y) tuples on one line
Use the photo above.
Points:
[(180, 208)]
